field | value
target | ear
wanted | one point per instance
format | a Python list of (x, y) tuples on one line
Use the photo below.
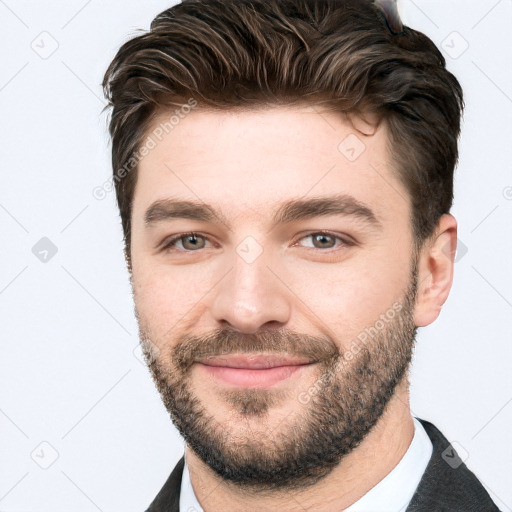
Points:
[(435, 271)]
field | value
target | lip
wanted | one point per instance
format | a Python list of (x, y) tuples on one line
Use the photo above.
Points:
[(255, 361), (253, 371)]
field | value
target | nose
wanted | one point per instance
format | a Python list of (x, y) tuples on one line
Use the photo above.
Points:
[(251, 297)]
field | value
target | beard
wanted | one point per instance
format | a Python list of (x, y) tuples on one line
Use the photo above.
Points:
[(335, 412)]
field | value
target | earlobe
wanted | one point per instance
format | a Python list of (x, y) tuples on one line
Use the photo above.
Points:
[(435, 271)]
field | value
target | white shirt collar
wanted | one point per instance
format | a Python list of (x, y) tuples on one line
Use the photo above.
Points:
[(392, 494)]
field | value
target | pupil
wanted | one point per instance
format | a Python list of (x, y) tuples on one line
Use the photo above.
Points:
[(192, 239), (322, 238)]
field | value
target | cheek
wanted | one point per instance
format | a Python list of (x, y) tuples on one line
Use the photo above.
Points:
[(348, 299), (167, 298)]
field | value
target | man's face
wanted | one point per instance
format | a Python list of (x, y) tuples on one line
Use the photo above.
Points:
[(330, 295)]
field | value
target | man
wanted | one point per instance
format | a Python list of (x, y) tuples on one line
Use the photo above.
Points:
[(284, 173)]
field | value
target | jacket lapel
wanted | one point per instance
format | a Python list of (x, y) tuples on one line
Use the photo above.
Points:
[(447, 483), (168, 499)]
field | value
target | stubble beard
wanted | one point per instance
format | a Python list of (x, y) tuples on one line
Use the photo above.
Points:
[(351, 393)]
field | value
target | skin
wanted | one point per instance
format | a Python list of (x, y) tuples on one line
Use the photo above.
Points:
[(245, 164)]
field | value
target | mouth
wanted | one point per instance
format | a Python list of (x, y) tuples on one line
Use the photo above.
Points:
[(253, 370)]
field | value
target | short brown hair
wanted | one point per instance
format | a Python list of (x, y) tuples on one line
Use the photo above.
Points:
[(341, 53)]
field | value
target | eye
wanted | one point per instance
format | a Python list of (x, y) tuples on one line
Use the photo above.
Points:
[(193, 241), (327, 240), (190, 242)]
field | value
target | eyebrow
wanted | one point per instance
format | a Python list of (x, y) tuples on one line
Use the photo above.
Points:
[(289, 211)]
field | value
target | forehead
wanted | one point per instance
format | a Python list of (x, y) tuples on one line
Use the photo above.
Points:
[(255, 159)]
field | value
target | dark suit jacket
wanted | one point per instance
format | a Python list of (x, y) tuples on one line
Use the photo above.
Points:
[(446, 486)]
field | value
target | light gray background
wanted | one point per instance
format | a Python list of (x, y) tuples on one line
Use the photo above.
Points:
[(71, 377)]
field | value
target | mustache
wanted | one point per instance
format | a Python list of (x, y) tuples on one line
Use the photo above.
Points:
[(225, 341)]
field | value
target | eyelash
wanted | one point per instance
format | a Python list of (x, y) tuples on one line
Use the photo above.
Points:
[(344, 243)]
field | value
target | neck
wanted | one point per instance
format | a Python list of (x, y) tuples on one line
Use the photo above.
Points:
[(358, 472)]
